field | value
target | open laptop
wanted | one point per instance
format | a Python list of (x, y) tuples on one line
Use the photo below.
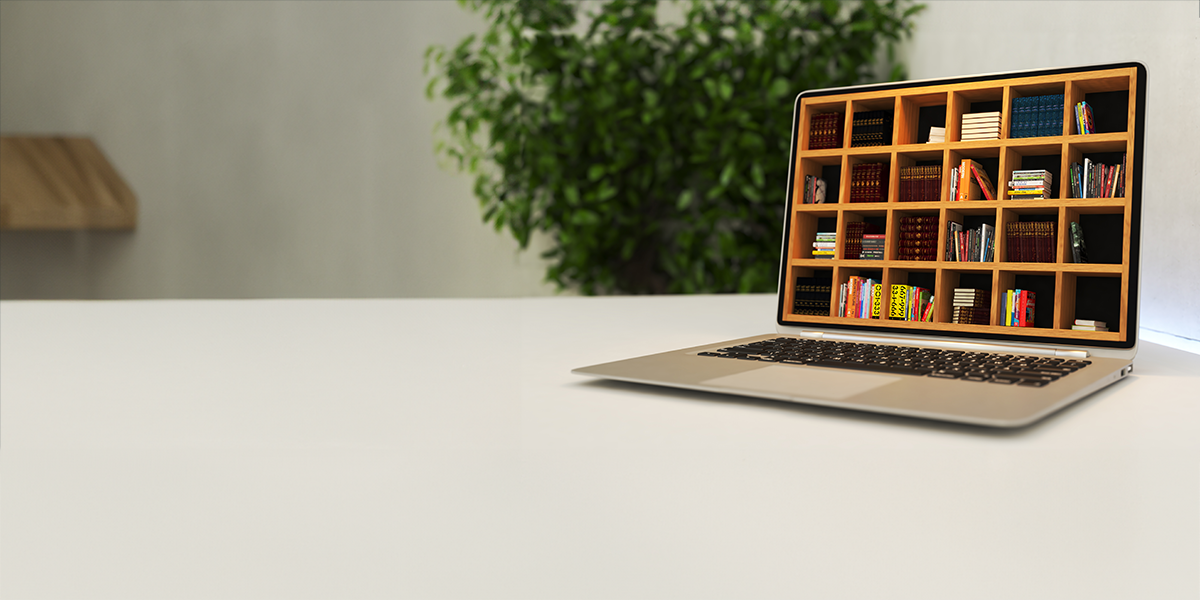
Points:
[(962, 249)]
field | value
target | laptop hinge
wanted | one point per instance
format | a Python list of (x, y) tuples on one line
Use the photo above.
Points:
[(969, 346)]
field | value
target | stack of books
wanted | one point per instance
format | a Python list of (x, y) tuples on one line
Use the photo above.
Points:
[(854, 238), (970, 245), (1031, 241), (814, 190), (868, 182), (980, 126), (1018, 308), (937, 135), (812, 296), (871, 128), (1037, 116), (861, 298), (1031, 184), (920, 183), (1084, 123), (910, 303), (1087, 325), (825, 131), (971, 306), (825, 245), (872, 246), (918, 238)]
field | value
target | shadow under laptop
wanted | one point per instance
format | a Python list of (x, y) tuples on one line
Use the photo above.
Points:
[(1038, 427)]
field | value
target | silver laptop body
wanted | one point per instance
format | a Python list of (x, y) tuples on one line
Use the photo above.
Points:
[(1072, 291)]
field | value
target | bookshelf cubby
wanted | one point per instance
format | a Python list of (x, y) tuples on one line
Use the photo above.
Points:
[(1066, 290)]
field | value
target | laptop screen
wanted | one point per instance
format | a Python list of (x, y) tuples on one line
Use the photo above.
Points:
[(1003, 206)]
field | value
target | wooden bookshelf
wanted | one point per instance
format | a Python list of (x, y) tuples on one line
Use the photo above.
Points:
[(61, 183), (1062, 284)]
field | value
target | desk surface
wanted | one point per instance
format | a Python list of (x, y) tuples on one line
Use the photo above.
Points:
[(441, 449)]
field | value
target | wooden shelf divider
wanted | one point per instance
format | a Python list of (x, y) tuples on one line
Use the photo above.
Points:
[(61, 183)]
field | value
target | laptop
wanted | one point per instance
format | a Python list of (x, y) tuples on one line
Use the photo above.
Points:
[(962, 249)]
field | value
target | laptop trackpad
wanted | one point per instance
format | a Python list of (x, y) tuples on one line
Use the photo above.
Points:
[(803, 382)]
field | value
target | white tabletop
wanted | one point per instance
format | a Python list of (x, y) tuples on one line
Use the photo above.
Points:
[(441, 449)]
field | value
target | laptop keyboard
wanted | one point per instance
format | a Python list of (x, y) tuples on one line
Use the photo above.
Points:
[(1002, 369)]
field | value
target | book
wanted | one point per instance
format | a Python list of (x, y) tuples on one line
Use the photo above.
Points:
[(1078, 249), (1090, 323), (981, 177), (969, 185), (937, 135)]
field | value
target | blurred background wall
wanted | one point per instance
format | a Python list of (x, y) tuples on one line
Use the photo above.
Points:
[(285, 149)]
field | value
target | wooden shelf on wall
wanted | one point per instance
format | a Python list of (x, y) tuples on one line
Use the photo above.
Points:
[(61, 183)]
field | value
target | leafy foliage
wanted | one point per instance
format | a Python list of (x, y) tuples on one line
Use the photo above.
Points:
[(654, 156)]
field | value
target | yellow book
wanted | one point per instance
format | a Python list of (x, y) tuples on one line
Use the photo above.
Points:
[(899, 302), (876, 300)]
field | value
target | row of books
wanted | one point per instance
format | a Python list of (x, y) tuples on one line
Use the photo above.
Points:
[(969, 181), (1031, 184), (918, 238), (814, 190), (1018, 308), (921, 183), (871, 128), (970, 245), (1031, 241), (1036, 116), (825, 131), (868, 182), (861, 298), (1085, 123), (980, 126), (1097, 180), (910, 303), (811, 296), (971, 306), (1028, 241)]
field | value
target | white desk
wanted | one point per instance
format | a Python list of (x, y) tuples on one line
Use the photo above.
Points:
[(441, 449)]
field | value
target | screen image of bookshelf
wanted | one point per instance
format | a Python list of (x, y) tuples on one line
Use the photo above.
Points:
[(969, 189)]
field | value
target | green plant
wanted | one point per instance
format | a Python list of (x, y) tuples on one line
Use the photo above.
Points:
[(654, 156)]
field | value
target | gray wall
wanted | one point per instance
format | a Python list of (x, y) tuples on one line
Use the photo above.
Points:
[(278, 149), (284, 149)]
